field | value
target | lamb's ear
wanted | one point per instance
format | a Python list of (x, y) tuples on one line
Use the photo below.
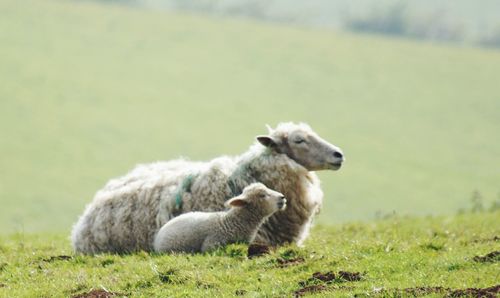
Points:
[(236, 202), (267, 141)]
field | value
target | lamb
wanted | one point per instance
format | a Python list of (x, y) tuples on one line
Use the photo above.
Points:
[(204, 231), (127, 213)]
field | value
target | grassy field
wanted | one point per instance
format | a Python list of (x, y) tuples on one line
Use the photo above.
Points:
[(398, 256), (88, 90)]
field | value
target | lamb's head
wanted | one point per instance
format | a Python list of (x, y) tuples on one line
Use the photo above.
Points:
[(257, 196), (300, 143)]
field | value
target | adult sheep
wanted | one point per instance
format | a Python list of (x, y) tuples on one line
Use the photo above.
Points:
[(128, 212)]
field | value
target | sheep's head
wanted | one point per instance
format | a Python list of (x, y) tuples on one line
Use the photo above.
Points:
[(258, 197), (304, 146)]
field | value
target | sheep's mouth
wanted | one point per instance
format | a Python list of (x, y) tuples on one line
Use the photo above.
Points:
[(335, 166)]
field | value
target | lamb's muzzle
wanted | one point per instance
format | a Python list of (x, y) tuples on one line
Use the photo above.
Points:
[(282, 203)]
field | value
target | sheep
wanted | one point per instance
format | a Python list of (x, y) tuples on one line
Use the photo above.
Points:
[(128, 212), (204, 231)]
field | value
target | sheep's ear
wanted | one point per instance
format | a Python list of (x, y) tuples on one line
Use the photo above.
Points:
[(269, 128), (267, 141), (236, 202)]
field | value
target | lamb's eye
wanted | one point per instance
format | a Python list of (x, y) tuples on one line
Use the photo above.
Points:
[(299, 141), (262, 195)]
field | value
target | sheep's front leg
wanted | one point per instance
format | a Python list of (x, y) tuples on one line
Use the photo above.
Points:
[(263, 237)]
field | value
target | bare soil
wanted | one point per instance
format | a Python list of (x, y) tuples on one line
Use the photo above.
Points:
[(257, 250), (350, 276), (97, 294), (491, 292), (492, 257), (309, 289), (318, 281), (282, 263), (328, 277)]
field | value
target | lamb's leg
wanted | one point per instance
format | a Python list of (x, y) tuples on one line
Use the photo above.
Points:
[(211, 243)]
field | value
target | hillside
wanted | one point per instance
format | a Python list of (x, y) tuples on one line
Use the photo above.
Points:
[(89, 90), (459, 21), (452, 256)]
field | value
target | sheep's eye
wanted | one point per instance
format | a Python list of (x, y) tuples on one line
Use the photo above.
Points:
[(262, 195), (299, 141)]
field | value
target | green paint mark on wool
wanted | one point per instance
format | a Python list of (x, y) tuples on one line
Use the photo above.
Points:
[(185, 187), (242, 173)]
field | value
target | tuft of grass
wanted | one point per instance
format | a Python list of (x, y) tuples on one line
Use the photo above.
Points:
[(433, 246)]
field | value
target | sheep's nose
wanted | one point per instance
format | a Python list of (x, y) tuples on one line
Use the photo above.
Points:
[(337, 154)]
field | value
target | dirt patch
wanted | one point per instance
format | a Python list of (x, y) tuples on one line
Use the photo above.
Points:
[(350, 276), (491, 292), (57, 258), (97, 294), (257, 250), (309, 289), (282, 263), (329, 277), (492, 257), (494, 239), (324, 277), (318, 282), (318, 277)]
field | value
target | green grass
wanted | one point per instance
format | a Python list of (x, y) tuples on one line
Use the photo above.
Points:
[(88, 90), (392, 255)]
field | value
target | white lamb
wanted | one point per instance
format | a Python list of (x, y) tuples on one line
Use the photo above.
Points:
[(205, 231), (128, 212)]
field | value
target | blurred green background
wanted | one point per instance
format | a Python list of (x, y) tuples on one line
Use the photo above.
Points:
[(89, 90)]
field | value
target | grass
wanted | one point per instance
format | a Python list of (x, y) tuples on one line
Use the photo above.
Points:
[(391, 255)]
